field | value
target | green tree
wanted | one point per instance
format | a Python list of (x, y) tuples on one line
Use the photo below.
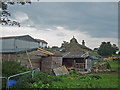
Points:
[(115, 48), (106, 49), (5, 14), (64, 44)]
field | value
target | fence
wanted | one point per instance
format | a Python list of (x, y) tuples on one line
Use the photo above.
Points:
[(16, 76)]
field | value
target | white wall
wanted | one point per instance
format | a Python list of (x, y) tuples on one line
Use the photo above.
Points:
[(41, 44), (44, 45)]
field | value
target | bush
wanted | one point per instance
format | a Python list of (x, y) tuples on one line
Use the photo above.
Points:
[(11, 67), (40, 80)]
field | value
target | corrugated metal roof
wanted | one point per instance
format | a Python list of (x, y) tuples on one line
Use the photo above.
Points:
[(13, 37), (23, 37)]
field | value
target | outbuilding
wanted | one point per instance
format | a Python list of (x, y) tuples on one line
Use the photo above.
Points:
[(21, 49), (42, 43), (51, 62), (77, 60), (15, 44)]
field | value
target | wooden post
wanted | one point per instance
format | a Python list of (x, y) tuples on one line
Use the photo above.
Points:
[(74, 63), (85, 63), (29, 59)]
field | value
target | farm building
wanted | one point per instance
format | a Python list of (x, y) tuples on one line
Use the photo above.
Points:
[(21, 49), (74, 46), (50, 62), (25, 49), (77, 60), (16, 44), (42, 43)]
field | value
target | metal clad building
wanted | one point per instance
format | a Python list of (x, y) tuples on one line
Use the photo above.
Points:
[(42, 43), (18, 43)]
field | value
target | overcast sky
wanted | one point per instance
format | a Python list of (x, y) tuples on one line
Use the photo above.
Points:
[(93, 22)]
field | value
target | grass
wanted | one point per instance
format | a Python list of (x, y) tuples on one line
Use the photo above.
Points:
[(114, 65), (89, 81), (72, 80)]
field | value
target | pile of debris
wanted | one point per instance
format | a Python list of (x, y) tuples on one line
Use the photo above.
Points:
[(100, 67)]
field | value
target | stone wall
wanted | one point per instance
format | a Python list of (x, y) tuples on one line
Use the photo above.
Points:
[(23, 58), (49, 63)]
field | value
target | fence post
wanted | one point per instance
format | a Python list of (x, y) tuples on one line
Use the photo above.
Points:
[(6, 81), (7, 86)]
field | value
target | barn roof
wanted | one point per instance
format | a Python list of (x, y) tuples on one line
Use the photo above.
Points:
[(73, 55), (23, 37)]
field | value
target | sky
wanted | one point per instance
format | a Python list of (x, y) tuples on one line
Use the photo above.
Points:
[(94, 22)]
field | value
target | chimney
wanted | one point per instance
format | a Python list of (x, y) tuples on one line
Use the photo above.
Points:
[(83, 42)]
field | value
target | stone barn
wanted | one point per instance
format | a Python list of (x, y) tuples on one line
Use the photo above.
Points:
[(50, 62)]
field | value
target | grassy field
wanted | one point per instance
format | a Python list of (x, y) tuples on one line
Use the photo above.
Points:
[(77, 80)]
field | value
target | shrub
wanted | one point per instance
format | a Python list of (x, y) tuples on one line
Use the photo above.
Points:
[(40, 80), (11, 67)]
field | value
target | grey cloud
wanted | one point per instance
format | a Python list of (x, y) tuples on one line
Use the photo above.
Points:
[(61, 34), (98, 19)]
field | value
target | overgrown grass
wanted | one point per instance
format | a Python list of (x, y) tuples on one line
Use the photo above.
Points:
[(114, 65), (89, 81), (73, 80)]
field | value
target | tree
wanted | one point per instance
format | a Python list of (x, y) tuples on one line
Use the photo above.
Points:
[(106, 49), (5, 14), (95, 49), (55, 47), (64, 44), (115, 48)]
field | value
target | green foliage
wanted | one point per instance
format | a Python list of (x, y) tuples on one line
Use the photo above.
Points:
[(40, 80), (106, 49), (5, 13), (114, 65), (11, 67), (64, 44), (115, 55), (22, 80), (72, 80)]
